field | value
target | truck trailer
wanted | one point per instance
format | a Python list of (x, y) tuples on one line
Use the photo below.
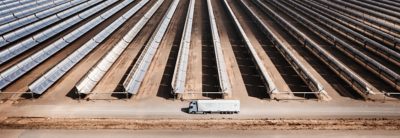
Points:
[(214, 106)]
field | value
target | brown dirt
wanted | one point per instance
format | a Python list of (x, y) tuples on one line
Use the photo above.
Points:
[(209, 124)]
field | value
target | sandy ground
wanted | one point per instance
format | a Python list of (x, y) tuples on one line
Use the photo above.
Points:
[(200, 124), (194, 70), (197, 133)]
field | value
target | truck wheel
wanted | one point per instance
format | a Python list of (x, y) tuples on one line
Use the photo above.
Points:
[(193, 112)]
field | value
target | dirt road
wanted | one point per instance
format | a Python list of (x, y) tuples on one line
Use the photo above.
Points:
[(198, 133), (202, 124)]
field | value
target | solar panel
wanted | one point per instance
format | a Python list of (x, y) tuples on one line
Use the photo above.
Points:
[(2, 41), (85, 14), (66, 65), (76, 1), (60, 43), (40, 37), (94, 76), (27, 64), (14, 4), (72, 36), (19, 48), (112, 56), (27, 6), (37, 88), (7, 19), (5, 55), (38, 8)]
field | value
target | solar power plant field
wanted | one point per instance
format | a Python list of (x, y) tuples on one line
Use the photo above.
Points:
[(147, 59)]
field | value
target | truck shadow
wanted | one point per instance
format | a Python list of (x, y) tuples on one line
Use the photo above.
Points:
[(185, 110)]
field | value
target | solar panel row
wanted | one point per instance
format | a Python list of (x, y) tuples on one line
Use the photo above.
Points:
[(29, 63), (44, 82), (136, 75), (13, 32), (179, 77), (11, 10), (21, 14), (27, 44), (10, 4), (90, 80)]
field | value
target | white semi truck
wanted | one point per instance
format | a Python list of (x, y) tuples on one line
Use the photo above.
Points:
[(214, 106)]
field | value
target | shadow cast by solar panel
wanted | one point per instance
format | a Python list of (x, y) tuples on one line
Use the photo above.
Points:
[(30, 96), (119, 89), (251, 75), (122, 95), (165, 88), (74, 95), (213, 95)]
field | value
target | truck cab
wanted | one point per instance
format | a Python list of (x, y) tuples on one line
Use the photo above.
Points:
[(193, 107)]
